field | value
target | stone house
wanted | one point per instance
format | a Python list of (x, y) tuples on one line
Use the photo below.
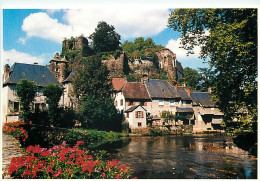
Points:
[(68, 100), (207, 116), (40, 75), (136, 117), (163, 95), (185, 107)]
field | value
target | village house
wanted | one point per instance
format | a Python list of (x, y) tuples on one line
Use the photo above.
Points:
[(68, 99), (128, 97), (207, 116), (185, 107), (40, 75)]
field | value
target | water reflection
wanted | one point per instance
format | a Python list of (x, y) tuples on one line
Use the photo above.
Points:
[(200, 156)]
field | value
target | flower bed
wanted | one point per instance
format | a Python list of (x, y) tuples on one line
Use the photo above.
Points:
[(64, 162), (16, 129)]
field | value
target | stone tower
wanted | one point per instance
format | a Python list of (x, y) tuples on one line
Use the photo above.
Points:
[(167, 61), (58, 67)]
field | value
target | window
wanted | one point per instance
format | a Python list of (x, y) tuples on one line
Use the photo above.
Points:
[(139, 114), (121, 102), (172, 102), (139, 124), (16, 106), (37, 107), (161, 102), (115, 103), (127, 115), (184, 102)]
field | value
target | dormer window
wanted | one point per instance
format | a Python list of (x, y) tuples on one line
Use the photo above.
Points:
[(163, 90), (43, 75), (23, 73), (57, 70)]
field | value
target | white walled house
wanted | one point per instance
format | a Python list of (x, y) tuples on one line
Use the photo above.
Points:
[(132, 94), (136, 117), (40, 75)]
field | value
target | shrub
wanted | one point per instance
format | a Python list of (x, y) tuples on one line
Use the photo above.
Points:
[(65, 163), (16, 129)]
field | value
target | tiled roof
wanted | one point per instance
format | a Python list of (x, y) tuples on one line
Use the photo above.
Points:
[(135, 90), (70, 77), (118, 83), (203, 98), (39, 74), (184, 95), (133, 108), (184, 109), (161, 89)]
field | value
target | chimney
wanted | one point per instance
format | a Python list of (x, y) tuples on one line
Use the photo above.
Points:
[(6, 72), (209, 90), (188, 92)]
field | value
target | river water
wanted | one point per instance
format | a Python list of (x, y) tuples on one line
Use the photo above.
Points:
[(184, 157)]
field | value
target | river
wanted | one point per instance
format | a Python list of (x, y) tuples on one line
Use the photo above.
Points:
[(184, 157)]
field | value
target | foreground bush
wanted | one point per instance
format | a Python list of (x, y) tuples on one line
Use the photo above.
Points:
[(16, 129), (65, 163)]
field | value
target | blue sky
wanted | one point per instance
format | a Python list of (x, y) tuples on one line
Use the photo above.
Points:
[(34, 35)]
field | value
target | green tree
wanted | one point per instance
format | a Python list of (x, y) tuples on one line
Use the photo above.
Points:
[(191, 78), (53, 94), (105, 38), (93, 89), (231, 45), (26, 91)]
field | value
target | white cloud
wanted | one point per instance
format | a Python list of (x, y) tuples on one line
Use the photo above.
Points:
[(52, 11), (128, 23), (181, 53), (12, 56), (41, 25)]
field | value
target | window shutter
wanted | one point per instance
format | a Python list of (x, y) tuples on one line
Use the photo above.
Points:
[(142, 114), (145, 103), (116, 103), (121, 102), (133, 103), (136, 114)]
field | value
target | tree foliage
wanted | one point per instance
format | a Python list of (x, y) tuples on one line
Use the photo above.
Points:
[(53, 94), (26, 91), (191, 78), (229, 38), (105, 38), (140, 48), (93, 89)]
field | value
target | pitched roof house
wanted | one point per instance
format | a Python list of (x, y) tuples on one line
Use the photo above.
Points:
[(131, 94), (164, 96), (40, 75), (207, 115)]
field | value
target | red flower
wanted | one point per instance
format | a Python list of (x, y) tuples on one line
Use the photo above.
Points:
[(112, 163), (88, 166), (58, 173), (134, 178), (49, 169), (80, 143), (27, 173), (118, 176), (103, 175), (45, 153), (122, 167)]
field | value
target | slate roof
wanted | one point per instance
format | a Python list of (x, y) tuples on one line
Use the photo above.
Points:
[(203, 98), (118, 83), (184, 109), (70, 77), (39, 74), (135, 90), (133, 108), (161, 89), (184, 95)]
